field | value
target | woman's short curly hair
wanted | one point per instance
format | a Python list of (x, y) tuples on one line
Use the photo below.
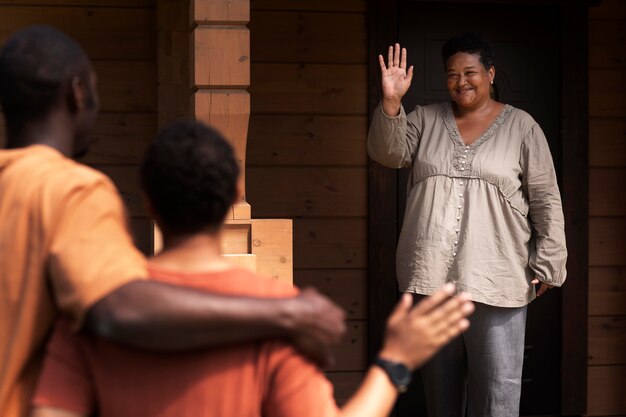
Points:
[(190, 175), (471, 43)]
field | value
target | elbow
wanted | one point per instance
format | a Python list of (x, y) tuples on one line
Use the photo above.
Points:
[(115, 318)]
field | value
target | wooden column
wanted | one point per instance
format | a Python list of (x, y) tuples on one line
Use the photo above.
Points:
[(219, 63)]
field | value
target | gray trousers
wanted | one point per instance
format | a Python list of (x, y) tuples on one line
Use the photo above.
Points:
[(479, 373)]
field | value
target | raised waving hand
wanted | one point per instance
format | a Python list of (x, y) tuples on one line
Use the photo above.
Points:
[(396, 80)]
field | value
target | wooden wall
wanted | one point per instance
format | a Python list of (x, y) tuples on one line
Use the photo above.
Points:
[(120, 38), (607, 209), (306, 150)]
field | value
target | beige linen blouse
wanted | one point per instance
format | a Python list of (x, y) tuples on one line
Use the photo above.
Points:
[(487, 216)]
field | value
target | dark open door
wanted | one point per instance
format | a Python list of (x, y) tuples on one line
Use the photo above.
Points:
[(529, 75)]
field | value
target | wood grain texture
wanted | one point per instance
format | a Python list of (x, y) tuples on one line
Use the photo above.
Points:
[(607, 93), (607, 142), (606, 241), (270, 240), (330, 243), (607, 44), (305, 192), (82, 3), (607, 192), (127, 86), (606, 388), (207, 11), (221, 56), (309, 89), (307, 140), (279, 36), (347, 287), (104, 33), (607, 340), (121, 138), (228, 112), (350, 354), (311, 5), (607, 290)]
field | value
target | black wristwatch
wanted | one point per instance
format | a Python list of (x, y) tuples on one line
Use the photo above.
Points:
[(399, 374)]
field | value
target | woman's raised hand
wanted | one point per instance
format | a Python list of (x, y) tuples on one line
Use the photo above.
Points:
[(395, 79)]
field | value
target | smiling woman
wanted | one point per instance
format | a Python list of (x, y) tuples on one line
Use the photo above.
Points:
[(483, 211)]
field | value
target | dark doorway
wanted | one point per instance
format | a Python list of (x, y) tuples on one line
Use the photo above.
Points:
[(529, 75)]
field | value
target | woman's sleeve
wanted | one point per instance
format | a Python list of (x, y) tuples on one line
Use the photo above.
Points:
[(549, 253), (393, 141)]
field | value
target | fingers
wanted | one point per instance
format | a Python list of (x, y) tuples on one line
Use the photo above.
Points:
[(403, 58), (396, 55), (381, 61), (449, 312), (544, 287), (390, 56), (534, 281), (409, 75), (402, 307), (429, 303)]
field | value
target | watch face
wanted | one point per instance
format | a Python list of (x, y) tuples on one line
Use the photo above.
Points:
[(401, 375)]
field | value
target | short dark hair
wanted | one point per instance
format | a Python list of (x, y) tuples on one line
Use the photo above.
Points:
[(36, 64), (471, 43), (189, 175)]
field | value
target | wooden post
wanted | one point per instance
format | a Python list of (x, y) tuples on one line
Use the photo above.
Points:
[(220, 71), (219, 76)]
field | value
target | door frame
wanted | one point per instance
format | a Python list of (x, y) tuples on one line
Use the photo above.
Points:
[(383, 222)]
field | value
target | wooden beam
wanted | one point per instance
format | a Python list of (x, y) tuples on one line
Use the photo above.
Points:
[(229, 112), (309, 89), (211, 11), (305, 140), (305, 192), (575, 193), (302, 41)]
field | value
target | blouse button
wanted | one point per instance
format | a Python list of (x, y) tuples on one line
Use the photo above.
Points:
[(456, 242), (460, 195), (459, 208), (453, 253)]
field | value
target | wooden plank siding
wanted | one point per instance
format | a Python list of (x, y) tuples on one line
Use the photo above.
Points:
[(306, 151), (607, 210), (120, 38)]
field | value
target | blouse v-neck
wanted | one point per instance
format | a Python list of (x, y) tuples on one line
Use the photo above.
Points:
[(455, 134)]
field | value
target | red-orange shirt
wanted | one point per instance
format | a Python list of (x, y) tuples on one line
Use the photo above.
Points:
[(265, 378), (64, 245)]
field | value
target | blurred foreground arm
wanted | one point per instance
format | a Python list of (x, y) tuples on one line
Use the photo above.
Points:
[(159, 316), (413, 335)]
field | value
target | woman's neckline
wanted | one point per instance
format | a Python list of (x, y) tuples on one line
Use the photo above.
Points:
[(453, 129)]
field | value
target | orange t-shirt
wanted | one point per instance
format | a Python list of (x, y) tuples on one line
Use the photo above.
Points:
[(64, 244), (265, 378)]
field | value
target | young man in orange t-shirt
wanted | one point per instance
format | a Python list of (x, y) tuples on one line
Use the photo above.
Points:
[(190, 178)]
